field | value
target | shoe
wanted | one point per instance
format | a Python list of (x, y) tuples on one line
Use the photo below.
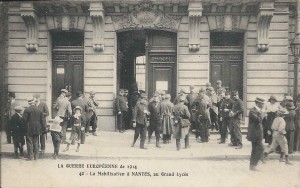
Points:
[(54, 156), (252, 168), (189, 146), (221, 142), (94, 133), (240, 146), (143, 147), (231, 144), (281, 160)]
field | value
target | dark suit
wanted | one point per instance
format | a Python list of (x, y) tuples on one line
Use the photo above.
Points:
[(121, 106), (43, 107), (155, 120), (34, 119), (290, 129), (17, 127), (141, 120), (255, 135), (202, 114), (235, 121)]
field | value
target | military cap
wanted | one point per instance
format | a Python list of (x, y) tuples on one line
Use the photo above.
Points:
[(30, 100), (210, 88), (201, 90), (155, 94), (18, 108), (208, 84), (77, 107), (143, 95), (272, 97), (168, 96), (219, 82)]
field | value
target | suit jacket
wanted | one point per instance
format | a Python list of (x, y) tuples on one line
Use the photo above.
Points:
[(290, 120), (201, 107), (82, 103), (238, 109), (92, 104), (44, 108), (154, 109), (63, 106), (34, 119), (255, 131), (121, 104), (17, 125)]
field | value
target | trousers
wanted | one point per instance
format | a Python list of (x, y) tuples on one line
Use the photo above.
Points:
[(32, 146), (140, 129), (235, 131), (64, 126), (155, 126), (278, 140), (91, 121), (290, 136), (256, 152), (224, 128), (202, 130), (43, 141)]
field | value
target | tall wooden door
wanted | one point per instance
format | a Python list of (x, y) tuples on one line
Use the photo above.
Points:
[(161, 66), (67, 71), (227, 66)]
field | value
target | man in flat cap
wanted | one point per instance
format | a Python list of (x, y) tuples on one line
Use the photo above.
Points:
[(255, 132), (35, 123), (236, 115), (121, 107), (12, 103), (44, 108), (92, 117), (139, 119), (64, 111), (167, 115)]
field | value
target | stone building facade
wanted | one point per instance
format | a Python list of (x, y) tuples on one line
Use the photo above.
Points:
[(93, 45)]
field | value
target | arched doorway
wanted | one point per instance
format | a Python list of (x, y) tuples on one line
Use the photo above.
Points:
[(147, 58)]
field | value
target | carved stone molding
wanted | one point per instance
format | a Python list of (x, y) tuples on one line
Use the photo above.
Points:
[(146, 16), (31, 21), (195, 14), (264, 17), (97, 16)]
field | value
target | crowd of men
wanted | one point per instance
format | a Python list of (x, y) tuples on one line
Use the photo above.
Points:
[(28, 125)]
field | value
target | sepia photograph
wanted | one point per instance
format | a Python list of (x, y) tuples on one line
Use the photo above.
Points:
[(150, 93)]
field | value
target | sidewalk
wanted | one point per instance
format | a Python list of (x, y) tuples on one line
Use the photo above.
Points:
[(118, 145)]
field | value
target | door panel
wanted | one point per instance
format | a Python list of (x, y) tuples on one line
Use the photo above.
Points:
[(227, 67)]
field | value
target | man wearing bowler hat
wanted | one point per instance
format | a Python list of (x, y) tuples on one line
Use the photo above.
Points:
[(255, 132), (236, 115), (44, 108), (35, 124)]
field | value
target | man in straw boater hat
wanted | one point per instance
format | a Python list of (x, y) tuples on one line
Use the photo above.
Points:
[(182, 123), (17, 127), (77, 121), (255, 132), (139, 119), (271, 109), (56, 135), (279, 139), (34, 119)]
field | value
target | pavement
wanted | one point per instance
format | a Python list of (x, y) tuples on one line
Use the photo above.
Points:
[(103, 159)]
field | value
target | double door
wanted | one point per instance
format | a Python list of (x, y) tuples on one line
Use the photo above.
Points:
[(227, 66), (67, 71)]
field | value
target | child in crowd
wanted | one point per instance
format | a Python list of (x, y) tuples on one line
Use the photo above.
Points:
[(17, 129), (77, 122), (55, 129)]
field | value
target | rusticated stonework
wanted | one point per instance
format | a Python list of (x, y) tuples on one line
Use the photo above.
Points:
[(146, 16)]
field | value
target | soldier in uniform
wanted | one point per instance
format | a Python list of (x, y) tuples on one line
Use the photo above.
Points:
[(121, 108), (190, 100), (167, 114), (155, 119), (225, 108), (139, 118), (182, 123), (181, 94), (44, 108), (255, 132), (34, 119), (236, 115), (202, 114)]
